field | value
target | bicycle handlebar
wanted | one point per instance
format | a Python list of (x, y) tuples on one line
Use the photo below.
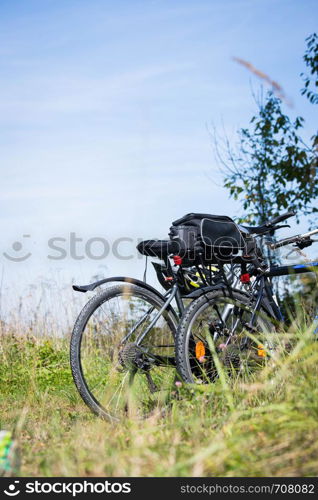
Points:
[(272, 224), (284, 242), (280, 218), (298, 238)]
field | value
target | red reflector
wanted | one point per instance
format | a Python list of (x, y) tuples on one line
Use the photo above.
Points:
[(245, 278), (168, 278), (177, 260)]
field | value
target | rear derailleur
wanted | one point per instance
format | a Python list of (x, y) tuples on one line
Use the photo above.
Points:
[(133, 358)]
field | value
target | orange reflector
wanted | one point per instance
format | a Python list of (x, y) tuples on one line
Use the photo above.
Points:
[(199, 350), (261, 351)]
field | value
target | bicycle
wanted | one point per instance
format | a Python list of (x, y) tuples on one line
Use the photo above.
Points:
[(122, 349), (235, 327)]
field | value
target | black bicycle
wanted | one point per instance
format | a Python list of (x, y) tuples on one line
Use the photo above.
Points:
[(122, 349), (234, 330)]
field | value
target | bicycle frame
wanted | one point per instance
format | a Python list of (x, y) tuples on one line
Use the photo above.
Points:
[(171, 294), (265, 288)]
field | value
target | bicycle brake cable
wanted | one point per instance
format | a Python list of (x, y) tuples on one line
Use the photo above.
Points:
[(145, 271)]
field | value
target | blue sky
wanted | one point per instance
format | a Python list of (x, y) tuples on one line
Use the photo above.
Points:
[(105, 108)]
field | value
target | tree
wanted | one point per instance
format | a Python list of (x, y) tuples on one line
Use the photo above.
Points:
[(311, 61), (272, 169)]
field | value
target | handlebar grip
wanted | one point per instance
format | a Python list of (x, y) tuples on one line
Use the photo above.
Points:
[(281, 218)]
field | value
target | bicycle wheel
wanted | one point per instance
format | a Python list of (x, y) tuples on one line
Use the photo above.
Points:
[(215, 327), (115, 376)]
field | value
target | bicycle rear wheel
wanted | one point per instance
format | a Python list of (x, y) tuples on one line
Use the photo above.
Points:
[(115, 376), (215, 327)]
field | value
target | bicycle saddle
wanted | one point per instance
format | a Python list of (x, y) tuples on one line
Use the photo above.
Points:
[(157, 248), (253, 229)]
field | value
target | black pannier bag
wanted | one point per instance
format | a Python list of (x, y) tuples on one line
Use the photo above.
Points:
[(215, 237)]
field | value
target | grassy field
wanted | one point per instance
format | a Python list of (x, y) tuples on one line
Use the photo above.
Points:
[(265, 428)]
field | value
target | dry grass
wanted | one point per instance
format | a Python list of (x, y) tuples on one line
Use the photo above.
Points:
[(272, 430)]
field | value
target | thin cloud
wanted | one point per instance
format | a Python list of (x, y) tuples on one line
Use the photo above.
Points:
[(56, 94)]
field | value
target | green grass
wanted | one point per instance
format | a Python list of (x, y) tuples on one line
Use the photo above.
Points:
[(269, 429)]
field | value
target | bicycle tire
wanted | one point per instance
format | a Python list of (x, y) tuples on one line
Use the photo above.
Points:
[(182, 337), (87, 312)]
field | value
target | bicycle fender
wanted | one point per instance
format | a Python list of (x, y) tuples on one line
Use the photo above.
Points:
[(204, 290), (134, 281), (124, 279)]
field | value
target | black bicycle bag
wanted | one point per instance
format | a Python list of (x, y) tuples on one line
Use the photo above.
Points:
[(212, 236)]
